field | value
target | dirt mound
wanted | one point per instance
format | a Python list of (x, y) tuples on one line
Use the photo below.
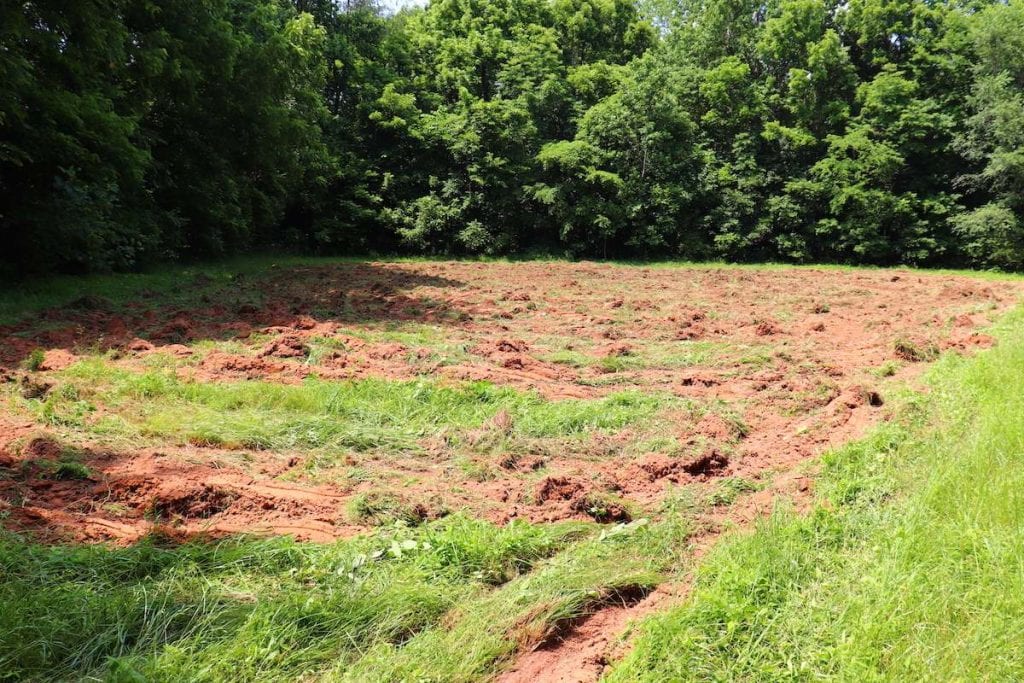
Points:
[(185, 499), (288, 346), (42, 448), (501, 346), (710, 464), (558, 489), (57, 359)]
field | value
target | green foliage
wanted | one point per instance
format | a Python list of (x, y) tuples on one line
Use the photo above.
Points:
[(245, 609), (876, 131), (35, 359)]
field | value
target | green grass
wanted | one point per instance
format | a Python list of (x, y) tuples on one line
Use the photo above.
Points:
[(357, 415), (245, 609), (668, 356), (479, 635), (908, 568), (450, 601), (173, 285)]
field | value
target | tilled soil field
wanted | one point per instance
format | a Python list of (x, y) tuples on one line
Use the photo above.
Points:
[(752, 373)]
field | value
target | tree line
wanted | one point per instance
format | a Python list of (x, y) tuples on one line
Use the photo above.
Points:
[(862, 131)]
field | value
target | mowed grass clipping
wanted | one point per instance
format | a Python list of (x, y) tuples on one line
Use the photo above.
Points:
[(911, 566), (357, 414)]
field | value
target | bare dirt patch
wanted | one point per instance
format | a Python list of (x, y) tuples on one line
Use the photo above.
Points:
[(775, 364)]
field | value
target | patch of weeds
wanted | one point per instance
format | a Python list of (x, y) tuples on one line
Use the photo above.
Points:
[(64, 407), (203, 439), (658, 444), (915, 352), (758, 358), (680, 501), (886, 369), (378, 508), (34, 360), (612, 364), (605, 507), (324, 348), (65, 465), (476, 469), (570, 357)]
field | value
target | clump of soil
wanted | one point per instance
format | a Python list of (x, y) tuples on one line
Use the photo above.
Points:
[(617, 351), (383, 507), (42, 448), (710, 464), (200, 501), (502, 346), (601, 508), (288, 346), (558, 488)]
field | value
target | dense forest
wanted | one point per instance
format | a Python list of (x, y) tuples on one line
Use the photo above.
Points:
[(862, 131)]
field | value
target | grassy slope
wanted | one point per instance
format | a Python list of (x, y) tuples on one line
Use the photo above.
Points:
[(911, 567)]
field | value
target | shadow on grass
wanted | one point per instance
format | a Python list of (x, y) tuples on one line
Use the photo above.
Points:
[(190, 305)]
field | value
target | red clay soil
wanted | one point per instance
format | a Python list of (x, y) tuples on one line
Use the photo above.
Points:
[(588, 648), (782, 364)]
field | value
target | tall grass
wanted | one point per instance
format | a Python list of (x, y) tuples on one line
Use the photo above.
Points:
[(244, 609), (911, 566)]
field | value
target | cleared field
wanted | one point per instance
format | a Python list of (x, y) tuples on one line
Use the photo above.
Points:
[(485, 454)]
